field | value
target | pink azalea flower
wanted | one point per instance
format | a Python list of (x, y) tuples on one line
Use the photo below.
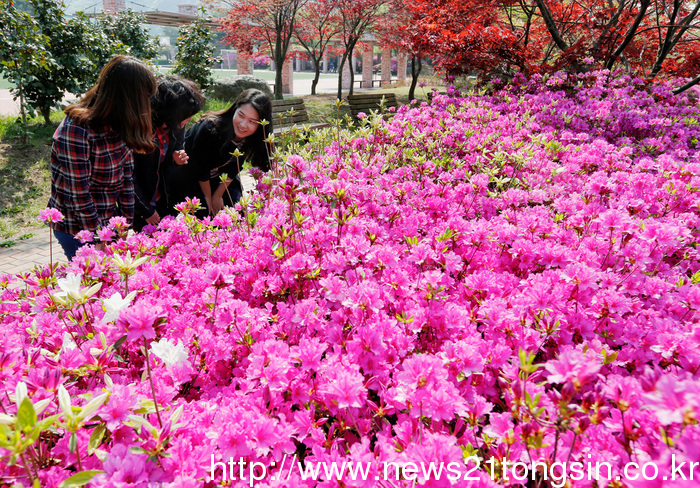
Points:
[(139, 320), (85, 236), (573, 366), (105, 234), (50, 216)]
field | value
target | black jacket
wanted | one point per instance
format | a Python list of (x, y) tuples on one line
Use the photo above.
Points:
[(209, 146), (151, 176)]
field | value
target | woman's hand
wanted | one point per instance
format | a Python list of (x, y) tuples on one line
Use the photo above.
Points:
[(153, 219), (217, 205), (180, 157)]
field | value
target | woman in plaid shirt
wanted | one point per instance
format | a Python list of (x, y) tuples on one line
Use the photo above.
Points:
[(92, 155)]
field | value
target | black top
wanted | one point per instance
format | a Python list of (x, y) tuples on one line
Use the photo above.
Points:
[(210, 147), (150, 177)]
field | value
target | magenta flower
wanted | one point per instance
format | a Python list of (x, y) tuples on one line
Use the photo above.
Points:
[(85, 236), (189, 206), (139, 320), (346, 389), (374, 303), (573, 366), (119, 225), (105, 234), (50, 215)]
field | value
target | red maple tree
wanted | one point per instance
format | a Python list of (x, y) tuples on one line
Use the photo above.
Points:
[(270, 22), (398, 30), (503, 37), (317, 24), (356, 18)]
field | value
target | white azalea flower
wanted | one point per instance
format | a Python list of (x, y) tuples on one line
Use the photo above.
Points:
[(64, 401), (68, 343), (115, 304), (20, 393), (70, 290), (170, 353), (69, 285)]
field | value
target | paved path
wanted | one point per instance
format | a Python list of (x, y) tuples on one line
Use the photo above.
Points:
[(36, 251), (8, 106), (27, 254)]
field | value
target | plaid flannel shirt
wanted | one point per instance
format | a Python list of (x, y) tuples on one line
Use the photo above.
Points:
[(91, 177)]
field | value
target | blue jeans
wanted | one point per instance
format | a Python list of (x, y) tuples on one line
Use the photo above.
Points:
[(68, 242)]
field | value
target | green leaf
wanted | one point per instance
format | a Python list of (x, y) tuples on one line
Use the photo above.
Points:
[(26, 416), (609, 358), (46, 423), (119, 342), (96, 438), (81, 478)]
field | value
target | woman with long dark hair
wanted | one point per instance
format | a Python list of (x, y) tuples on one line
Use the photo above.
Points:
[(92, 154), (173, 105), (211, 145)]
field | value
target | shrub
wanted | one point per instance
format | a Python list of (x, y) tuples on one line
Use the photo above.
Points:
[(497, 278)]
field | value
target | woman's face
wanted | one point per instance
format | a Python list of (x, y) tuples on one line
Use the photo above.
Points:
[(245, 121)]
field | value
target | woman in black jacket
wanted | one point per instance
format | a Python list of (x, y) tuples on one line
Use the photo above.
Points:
[(212, 142), (173, 105)]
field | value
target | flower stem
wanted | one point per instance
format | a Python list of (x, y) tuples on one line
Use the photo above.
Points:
[(26, 468), (150, 380), (51, 248)]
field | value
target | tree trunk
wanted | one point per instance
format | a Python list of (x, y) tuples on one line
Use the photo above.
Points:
[(46, 113), (415, 73), (352, 72), (23, 112), (341, 65), (279, 66), (317, 75), (632, 31), (278, 80), (673, 36), (551, 25)]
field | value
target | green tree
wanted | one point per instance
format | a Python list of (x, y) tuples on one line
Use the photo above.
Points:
[(23, 52), (126, 30), (77, 49), (195, 52)]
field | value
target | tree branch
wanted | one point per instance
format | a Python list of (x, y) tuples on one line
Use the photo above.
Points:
[(551, 25), (688, 85), (631, 32)]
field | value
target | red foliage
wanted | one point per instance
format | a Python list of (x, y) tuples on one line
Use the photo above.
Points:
[(502, 37)]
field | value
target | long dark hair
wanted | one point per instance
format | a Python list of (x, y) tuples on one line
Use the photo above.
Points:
[(254, 147), (176, 99), (120, 100)]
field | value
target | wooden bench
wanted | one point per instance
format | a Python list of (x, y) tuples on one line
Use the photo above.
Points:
[(376, 82), (432, 93), (366, 102), (291, 112)]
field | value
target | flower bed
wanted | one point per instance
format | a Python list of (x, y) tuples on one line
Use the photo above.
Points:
[(513, 277)]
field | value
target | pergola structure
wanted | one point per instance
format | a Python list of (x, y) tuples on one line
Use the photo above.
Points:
[(172, 19)]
